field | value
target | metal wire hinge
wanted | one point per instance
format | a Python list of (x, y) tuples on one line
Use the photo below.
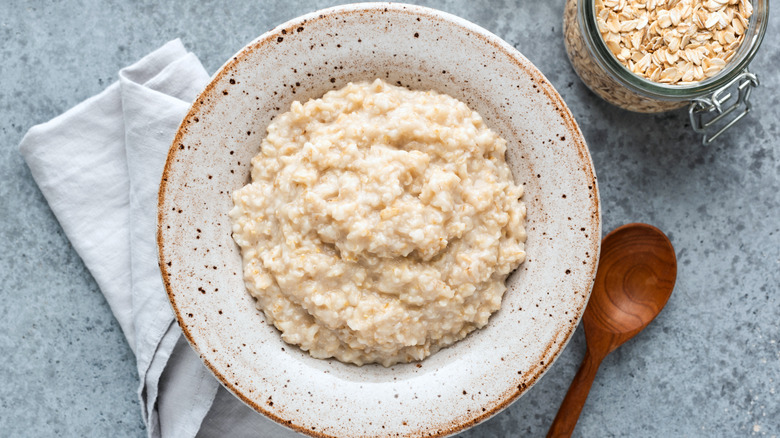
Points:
[(720, 105)]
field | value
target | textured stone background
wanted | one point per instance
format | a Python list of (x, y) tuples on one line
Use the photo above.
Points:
[(708, 366)]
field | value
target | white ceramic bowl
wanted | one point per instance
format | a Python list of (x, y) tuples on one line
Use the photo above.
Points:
[(423, 49)]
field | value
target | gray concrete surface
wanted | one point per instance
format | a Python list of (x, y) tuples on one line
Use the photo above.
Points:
[(708, 366)]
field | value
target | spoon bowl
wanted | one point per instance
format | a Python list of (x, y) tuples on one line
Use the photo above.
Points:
[(635, 278), (636, 275)]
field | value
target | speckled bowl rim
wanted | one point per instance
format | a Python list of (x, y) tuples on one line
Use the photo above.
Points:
[(522, 63)]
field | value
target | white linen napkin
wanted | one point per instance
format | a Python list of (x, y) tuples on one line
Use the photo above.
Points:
[(99, 166)]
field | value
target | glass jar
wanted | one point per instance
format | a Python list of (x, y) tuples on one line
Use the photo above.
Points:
[(715, 103)]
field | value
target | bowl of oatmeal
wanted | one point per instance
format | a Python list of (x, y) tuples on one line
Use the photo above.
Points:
[(394, 234)]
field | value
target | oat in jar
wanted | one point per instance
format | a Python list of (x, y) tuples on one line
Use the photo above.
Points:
[(658, 55)]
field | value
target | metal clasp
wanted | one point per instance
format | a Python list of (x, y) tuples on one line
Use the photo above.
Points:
[(718, 104)]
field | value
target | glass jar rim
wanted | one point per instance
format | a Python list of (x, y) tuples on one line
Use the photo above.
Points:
[(754, 35)]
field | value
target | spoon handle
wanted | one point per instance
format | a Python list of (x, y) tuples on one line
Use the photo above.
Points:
[(569, 412)]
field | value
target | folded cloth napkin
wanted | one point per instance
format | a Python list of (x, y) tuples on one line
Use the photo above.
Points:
[(99, 166)]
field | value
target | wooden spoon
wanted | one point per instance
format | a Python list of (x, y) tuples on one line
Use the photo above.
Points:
[(635, 278)]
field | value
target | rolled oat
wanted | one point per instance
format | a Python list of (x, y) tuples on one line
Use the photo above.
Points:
[(673, 41)]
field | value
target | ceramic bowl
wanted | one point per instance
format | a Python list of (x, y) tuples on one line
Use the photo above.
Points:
[(422, 49)]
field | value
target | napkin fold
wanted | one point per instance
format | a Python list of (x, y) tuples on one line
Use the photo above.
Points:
[(99, 166)]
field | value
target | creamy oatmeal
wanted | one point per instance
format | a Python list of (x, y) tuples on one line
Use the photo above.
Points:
[(380, 224)]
